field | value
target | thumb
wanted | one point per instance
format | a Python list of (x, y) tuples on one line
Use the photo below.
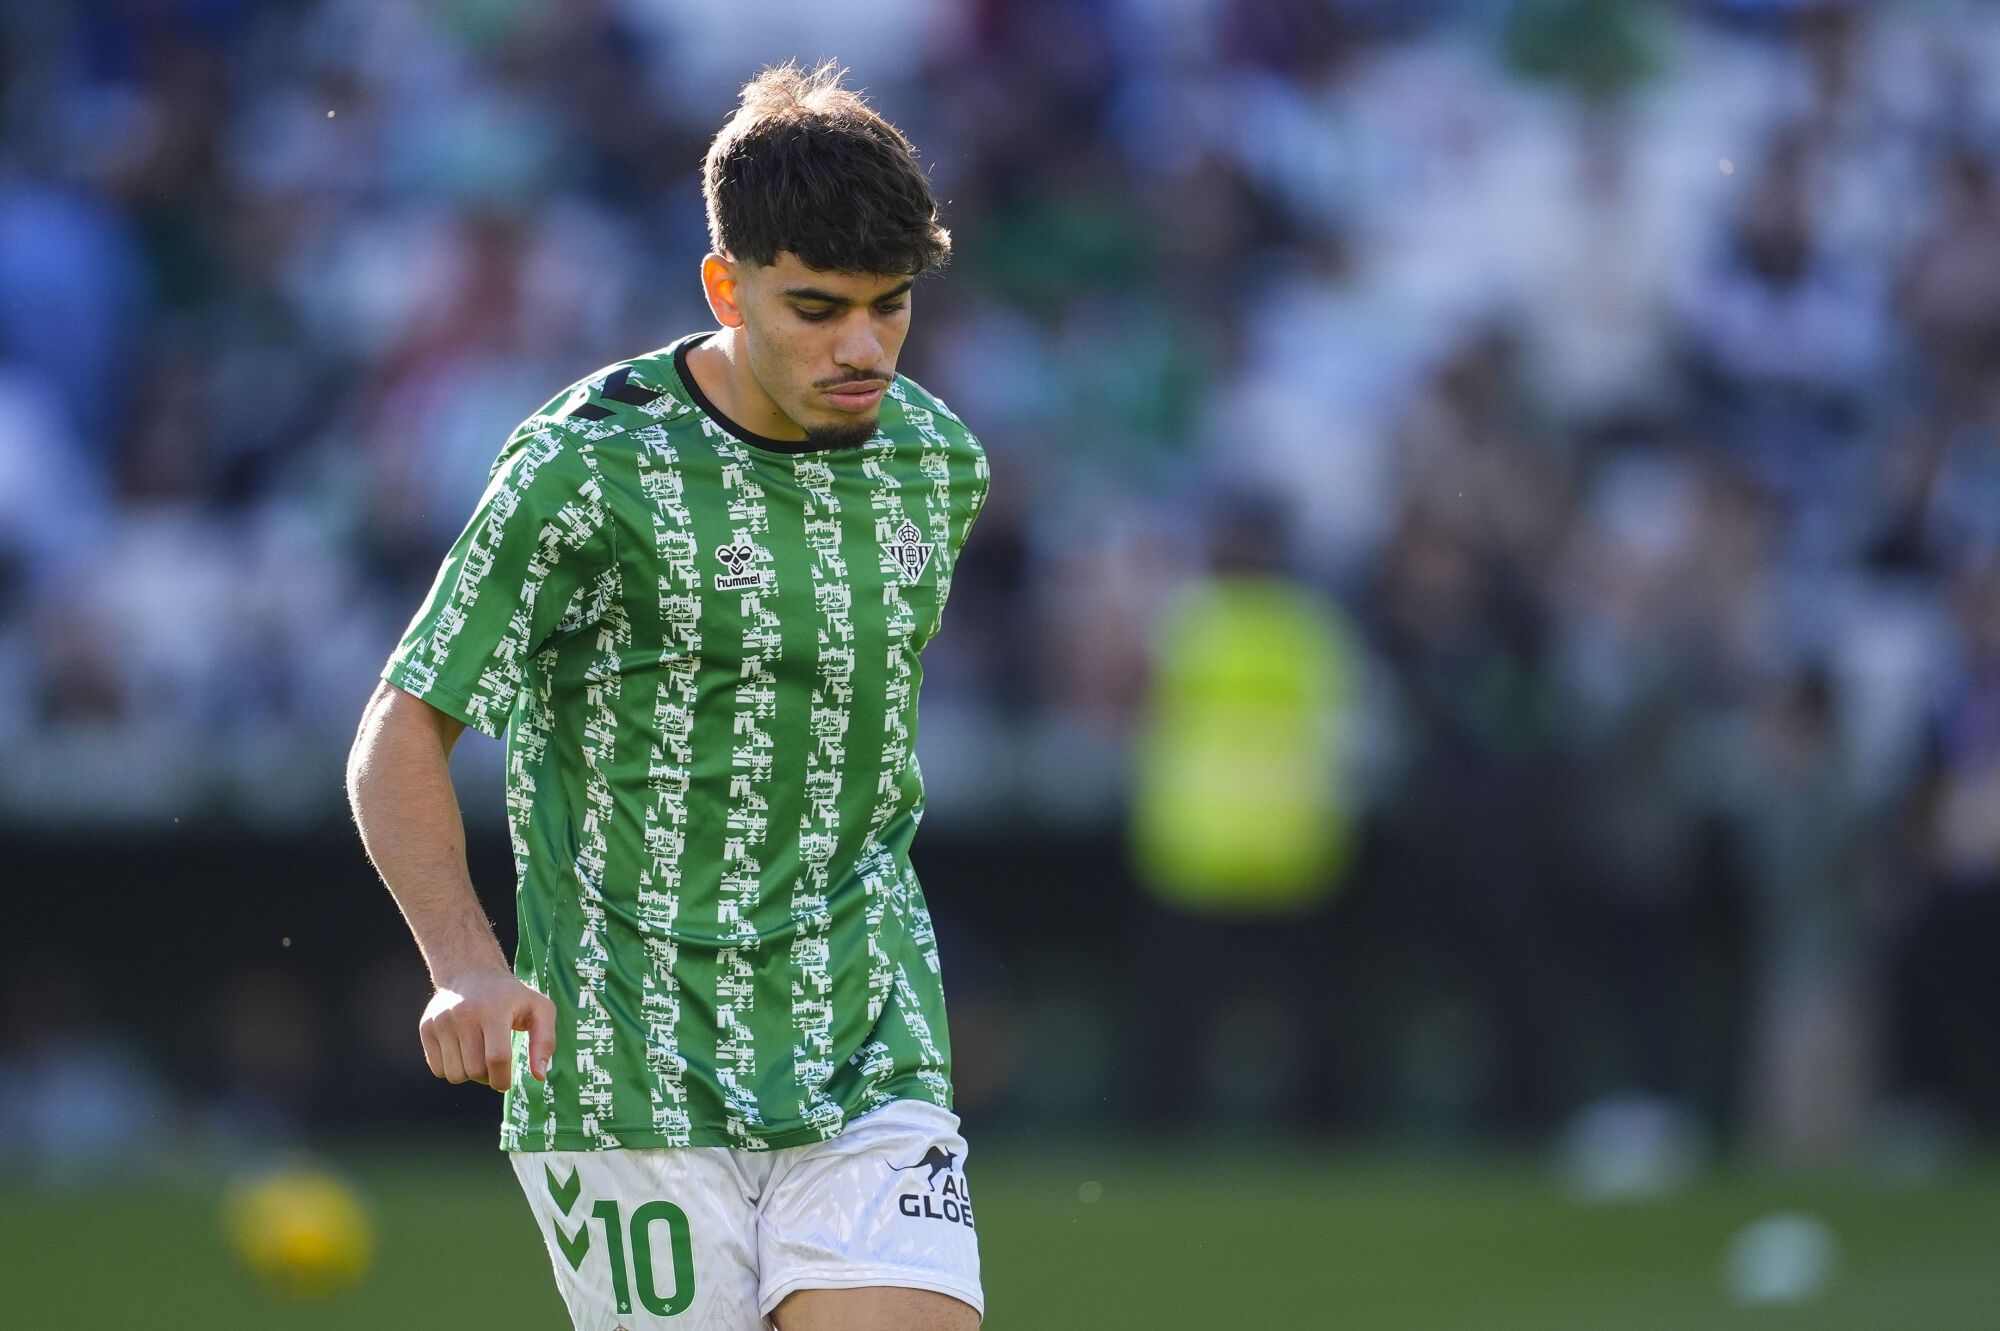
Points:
[(538, 1018)]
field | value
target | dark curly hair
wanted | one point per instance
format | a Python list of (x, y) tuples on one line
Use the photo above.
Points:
[(806, 165)]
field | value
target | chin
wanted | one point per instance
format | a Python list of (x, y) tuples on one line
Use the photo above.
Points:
[(843, 434)]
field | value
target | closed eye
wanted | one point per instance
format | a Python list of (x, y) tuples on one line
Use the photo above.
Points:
[(822, 315)]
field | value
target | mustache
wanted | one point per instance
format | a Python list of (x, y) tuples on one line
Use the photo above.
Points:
[(852, 379)]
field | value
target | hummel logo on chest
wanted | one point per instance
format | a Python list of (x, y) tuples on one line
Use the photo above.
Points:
[(737, 559), (911, 553)]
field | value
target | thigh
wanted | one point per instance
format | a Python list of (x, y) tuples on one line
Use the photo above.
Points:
[(876, 1308), (880, 1213), (647, 1240)]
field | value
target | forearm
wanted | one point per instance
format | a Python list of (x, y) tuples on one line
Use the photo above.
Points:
[(399, 786)]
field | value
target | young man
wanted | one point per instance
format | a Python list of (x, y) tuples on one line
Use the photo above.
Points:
[(693, 598)]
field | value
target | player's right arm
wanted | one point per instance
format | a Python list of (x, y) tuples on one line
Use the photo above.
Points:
[(399, 786), (520, 576)]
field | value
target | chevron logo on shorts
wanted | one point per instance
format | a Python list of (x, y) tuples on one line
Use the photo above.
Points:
[(574, 1246)]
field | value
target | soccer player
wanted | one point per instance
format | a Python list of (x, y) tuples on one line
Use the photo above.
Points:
[(693, 598)]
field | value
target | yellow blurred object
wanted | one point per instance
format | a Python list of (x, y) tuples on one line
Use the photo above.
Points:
[(301, 1231), (1241, 799)]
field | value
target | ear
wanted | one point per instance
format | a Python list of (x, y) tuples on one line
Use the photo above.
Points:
[(718, 283)]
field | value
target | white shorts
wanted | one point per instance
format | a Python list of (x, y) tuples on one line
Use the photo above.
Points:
[(710, 1238)]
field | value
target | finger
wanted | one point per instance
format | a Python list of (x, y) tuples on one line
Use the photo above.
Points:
[(499, 1058), (539, 1021), (472, 1050), (432, 1058), (449, 1058)]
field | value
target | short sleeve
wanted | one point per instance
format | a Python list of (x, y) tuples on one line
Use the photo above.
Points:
[(981, 484), (530, 566)]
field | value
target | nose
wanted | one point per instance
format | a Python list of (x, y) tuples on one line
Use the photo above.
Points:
[(858, 347)]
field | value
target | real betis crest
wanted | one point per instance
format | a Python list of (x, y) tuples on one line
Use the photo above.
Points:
[(911, 553)]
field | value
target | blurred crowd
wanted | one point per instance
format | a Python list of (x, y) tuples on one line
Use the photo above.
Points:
[(1625, 378)]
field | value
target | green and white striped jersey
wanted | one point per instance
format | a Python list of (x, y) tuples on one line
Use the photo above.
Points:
[(704, 653)]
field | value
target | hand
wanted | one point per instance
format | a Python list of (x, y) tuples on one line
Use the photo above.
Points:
[(468, 1028)]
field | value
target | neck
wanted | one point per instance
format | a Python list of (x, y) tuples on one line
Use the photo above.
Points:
[(721, 366)]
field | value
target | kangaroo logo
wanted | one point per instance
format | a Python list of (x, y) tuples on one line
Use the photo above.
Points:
[(949, 1202), (939, 1160), (737, 559)]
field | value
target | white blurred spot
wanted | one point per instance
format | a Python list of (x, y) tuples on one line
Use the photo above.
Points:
[(1788, 1257)]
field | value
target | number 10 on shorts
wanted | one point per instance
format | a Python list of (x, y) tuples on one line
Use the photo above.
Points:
[(639, 1278)]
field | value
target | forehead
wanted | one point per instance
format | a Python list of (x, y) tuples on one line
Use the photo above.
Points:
[(788, 273)]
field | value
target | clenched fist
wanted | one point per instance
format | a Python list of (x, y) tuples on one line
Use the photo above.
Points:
[(468, 1028)]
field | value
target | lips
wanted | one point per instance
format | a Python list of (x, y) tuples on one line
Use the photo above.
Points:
[(856, 396)]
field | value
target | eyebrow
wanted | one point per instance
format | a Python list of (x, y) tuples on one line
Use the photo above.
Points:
[(825, 297)]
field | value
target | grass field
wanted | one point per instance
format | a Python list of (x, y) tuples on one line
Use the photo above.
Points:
[(1259, 1242)]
